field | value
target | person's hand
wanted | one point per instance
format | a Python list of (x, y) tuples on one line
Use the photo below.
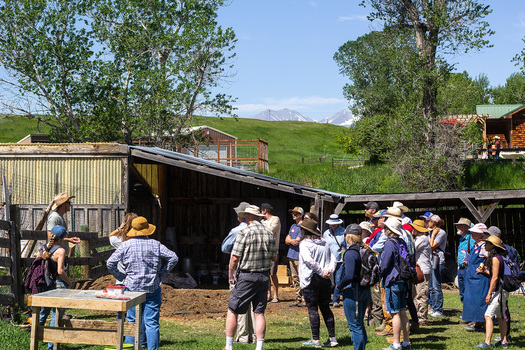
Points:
[(232, 280), (487, 299), (74, 240), (327, 274)]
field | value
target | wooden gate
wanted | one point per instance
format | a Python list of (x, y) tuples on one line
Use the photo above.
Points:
[(10, 271)]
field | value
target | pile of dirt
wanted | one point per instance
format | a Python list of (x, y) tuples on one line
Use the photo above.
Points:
[(208, 301)]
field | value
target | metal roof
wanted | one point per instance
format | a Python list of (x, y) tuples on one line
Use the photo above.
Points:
[(497, 111), (206, 166)]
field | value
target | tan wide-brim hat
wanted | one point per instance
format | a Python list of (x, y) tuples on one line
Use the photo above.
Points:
[(252, 209), (495, 242), (394, 225), (419, 226), (60, 199), (141, 227)]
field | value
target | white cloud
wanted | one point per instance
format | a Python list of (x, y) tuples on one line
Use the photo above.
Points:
[(353, 18)]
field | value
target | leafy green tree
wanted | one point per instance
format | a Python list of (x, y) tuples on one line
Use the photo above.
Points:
[(513, 92), (438, 26), (459, 94)]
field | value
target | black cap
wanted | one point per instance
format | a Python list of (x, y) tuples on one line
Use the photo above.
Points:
[(372, 205), (266, 206), (353, 229)]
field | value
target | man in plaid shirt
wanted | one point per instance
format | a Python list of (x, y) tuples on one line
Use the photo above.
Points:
[(141, 257), (252, 256)]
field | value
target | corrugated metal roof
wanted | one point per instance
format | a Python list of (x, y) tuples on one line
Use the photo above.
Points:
[(497, 111), (224, 168)]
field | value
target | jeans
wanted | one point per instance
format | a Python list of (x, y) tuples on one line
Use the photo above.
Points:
[(150, 328), (338, 275), (461, 282), (356, 324), (436, 294), (44, 312)]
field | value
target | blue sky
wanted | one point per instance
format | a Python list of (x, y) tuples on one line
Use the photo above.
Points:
[(285, 51)]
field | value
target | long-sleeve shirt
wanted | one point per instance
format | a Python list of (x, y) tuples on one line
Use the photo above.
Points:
[(315, 256), (229, 241), (389, 272), (335, 240), (141, 257), (352, 259)]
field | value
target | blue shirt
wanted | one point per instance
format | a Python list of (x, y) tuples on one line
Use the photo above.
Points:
[(335, 243), (141, 258), (293, 251), (463, 248), (229, 241)]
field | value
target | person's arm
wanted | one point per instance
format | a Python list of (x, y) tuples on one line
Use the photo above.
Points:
[(434, 239), (306, 256), (387, 258), (494, 279), (234, 262), (113, 262), (169, 255), (380, 244), (60, 255), (350, 261)]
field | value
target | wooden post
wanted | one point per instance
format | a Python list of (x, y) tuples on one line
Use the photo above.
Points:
[(16, 269), (84, 253)]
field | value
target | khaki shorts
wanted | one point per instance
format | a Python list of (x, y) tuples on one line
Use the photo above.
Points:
[(497, 304)]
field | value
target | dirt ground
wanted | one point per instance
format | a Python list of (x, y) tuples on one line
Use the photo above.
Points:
[(206, 301)]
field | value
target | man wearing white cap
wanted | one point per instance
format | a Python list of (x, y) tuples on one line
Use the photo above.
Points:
[(465, 246), (335, 238), (252, 257)]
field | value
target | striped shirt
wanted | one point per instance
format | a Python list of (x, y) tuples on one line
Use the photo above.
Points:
[(255, 246), (141, 258)]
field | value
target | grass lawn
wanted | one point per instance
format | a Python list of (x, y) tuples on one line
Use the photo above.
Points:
[(287, 330)]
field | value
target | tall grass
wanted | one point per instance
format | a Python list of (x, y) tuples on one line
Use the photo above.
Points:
[(14, 129), (494, 175)]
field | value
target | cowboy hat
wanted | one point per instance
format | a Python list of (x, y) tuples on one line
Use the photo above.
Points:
[(334, 220), (419, 226), (140, 227), (238, 209), (310, 226), (252, 209), (463, 221), (496, 241), (60, 199), (400, 205), (394, 225)]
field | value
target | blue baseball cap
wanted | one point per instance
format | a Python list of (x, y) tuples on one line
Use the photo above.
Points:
[(59, 231), (426, 216)]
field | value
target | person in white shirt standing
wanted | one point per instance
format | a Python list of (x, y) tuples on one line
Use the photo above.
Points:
[(274, 224)]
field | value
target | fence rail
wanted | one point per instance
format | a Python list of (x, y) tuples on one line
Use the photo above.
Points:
[(346, 162)]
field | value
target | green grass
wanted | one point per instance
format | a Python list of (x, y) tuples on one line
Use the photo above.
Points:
[(286, 330), (16, 128), (495, 175)]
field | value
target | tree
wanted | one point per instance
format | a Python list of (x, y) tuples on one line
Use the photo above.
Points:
[(459, 94), (513, 92), (438, 25), (114, 70)]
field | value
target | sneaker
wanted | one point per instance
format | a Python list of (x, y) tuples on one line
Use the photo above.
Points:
[(435, 314), (499, 344), (331, 342), (312, 343), (482, 346), (392, 347), (406, 347)]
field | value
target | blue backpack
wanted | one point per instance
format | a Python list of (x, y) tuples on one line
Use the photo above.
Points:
[(405, 263), (511, 279)]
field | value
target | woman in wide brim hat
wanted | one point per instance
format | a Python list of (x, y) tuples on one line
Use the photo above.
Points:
[(423, 254), (316, 265), (496, 297)]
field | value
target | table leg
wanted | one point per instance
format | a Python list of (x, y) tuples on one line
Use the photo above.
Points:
[(120, 330), (35, 313), (138, 323)]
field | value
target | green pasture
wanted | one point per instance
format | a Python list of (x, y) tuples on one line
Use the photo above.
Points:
[(287, 330)]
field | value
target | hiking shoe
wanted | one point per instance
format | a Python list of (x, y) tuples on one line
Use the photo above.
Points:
[(331, 342), (501, 345), (384, 333), (312, 343), (392, 347), (381, 327), (435, 314), (482, 346)]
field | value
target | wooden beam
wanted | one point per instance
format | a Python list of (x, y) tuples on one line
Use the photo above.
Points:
[(339, 208), (473, 210), (487, 212)]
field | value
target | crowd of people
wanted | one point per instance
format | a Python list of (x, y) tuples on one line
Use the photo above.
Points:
[(327, 272), (326, 268)]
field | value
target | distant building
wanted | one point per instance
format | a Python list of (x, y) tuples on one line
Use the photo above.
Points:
[(505, 121)]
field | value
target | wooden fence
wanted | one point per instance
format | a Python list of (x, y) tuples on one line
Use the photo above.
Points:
[(93, 251), (347, 162)]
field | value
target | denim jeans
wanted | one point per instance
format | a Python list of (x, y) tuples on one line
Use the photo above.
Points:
[(461, 282), (434, 289), (150, 328), (356, 324), (338, 275), (44, 312)]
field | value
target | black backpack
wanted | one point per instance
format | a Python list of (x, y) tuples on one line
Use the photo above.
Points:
[(370, 271), (405, 266), (511, 279)]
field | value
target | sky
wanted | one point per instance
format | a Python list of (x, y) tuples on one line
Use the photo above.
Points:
[(285, 49)]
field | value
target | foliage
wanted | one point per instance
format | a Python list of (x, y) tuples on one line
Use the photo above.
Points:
[(460, 94), (494, 175), (513, 92), (437, 26), (106, 70)]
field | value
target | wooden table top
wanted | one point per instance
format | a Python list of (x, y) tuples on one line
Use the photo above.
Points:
[(84, 299)]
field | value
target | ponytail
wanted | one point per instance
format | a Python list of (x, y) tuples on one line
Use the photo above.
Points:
[(52, 240)]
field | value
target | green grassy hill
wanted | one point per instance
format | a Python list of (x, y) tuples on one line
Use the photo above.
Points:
[(13, 129)]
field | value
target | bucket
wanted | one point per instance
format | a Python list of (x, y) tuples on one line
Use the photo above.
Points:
[(124, 347)]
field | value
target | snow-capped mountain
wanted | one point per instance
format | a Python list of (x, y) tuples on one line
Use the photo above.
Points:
[(342, 118), (281, 114)]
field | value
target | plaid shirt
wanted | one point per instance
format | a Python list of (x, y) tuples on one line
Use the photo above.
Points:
[(255, 246), (141, 258)]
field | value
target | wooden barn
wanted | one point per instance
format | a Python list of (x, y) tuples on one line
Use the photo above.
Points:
[(507, 122)]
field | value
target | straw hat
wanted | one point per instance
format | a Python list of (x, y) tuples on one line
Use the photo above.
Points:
[(252, 209), (394, 225), (365, 225), (495, 242), (393, 212), (238, 209), (334, 220), (60, 199), (140, 227), (310, 226), (419, 225), (463, 221), (400, 205)]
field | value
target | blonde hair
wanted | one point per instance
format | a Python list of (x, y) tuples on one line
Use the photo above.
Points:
[(53, 239), (358, 239), (390, 234), (121, 232)]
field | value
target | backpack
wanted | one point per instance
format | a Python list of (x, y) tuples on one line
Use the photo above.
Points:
[(370, 271), (405, 266), (511, 279), (41, 276)]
